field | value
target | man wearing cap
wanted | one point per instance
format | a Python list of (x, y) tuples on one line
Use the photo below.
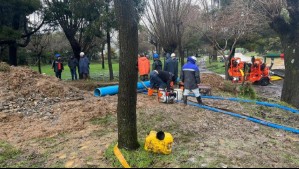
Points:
[(172, 65), (57, 65), (84, 66), (190, 77)]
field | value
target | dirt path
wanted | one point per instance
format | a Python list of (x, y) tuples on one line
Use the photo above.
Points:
[(273, 91)]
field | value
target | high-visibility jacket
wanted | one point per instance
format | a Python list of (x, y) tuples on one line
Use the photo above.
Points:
[(144, 66)]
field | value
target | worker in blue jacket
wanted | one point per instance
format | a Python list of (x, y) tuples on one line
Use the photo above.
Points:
[(190, 77)]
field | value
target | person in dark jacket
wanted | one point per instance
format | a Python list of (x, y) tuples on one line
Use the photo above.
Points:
[(161, 79), (57, 65), (172, 65), (84, 66), (190, 77), (157, 65), (73, 64)]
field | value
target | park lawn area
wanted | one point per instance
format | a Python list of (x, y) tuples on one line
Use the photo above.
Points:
[(217, 67), (96, 71), (249, 54)]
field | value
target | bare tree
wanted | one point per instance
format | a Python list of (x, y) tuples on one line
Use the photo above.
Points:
[(283, 17), (39, 43), (165, 20), (224, 27), (40, 40)]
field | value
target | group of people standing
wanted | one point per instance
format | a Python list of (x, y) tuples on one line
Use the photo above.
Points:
[(144, 66), (165, 79), (73, 63)]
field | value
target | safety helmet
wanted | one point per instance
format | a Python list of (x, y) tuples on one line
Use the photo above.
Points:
[(58, 55), (156, 56), (173, 55), (194, 58), (82, 54)]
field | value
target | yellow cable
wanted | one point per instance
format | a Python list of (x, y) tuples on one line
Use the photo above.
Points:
[(120, 157)]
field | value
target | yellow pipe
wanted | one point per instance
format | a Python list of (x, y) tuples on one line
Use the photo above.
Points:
[(120, 157)]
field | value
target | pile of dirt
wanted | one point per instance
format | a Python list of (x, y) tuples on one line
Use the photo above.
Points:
[(26, 92), (213, 80), (34, 105)]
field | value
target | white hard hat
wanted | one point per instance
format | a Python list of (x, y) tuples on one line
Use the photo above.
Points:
[(173, 55), (194, 58), (82, 54)]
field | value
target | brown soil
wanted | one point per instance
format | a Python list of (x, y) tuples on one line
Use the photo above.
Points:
[(49, 119), (213, 80), (34, 106)]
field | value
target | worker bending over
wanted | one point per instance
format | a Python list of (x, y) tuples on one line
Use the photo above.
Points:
[(161, 79)]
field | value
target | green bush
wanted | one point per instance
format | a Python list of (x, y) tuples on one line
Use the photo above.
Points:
[(4, 67), (248, 91), (230, 87)]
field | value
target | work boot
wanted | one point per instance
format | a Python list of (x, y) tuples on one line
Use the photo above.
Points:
[(199, 100), (185, 100)]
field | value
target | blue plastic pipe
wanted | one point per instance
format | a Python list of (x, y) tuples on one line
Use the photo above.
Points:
[(113, 90), (265, 123), (255, 102)]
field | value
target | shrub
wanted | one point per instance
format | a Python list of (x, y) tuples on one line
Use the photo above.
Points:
[(4, 67), (248, 91)]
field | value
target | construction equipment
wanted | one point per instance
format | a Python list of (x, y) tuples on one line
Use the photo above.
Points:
[(167, 96), (256, 72)]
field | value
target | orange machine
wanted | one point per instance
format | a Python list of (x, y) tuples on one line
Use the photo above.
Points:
[(236, 70), (258, 71)]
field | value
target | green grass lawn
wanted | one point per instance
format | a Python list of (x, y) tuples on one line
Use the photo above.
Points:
[(217, 67), (96, 71)]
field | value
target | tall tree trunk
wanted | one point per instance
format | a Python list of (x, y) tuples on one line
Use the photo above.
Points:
[(128, 37), (227, 77), (1, 52), (228, 62), (215, 54), (181, 52), (13, 50), (290, 92), (109, 56), (103, 57), (289, 34), (159, 49), (13, 47), (109, 43), (39, 64)]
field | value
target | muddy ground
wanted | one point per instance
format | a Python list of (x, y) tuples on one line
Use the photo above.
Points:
[(273, 91), (53, 124)]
